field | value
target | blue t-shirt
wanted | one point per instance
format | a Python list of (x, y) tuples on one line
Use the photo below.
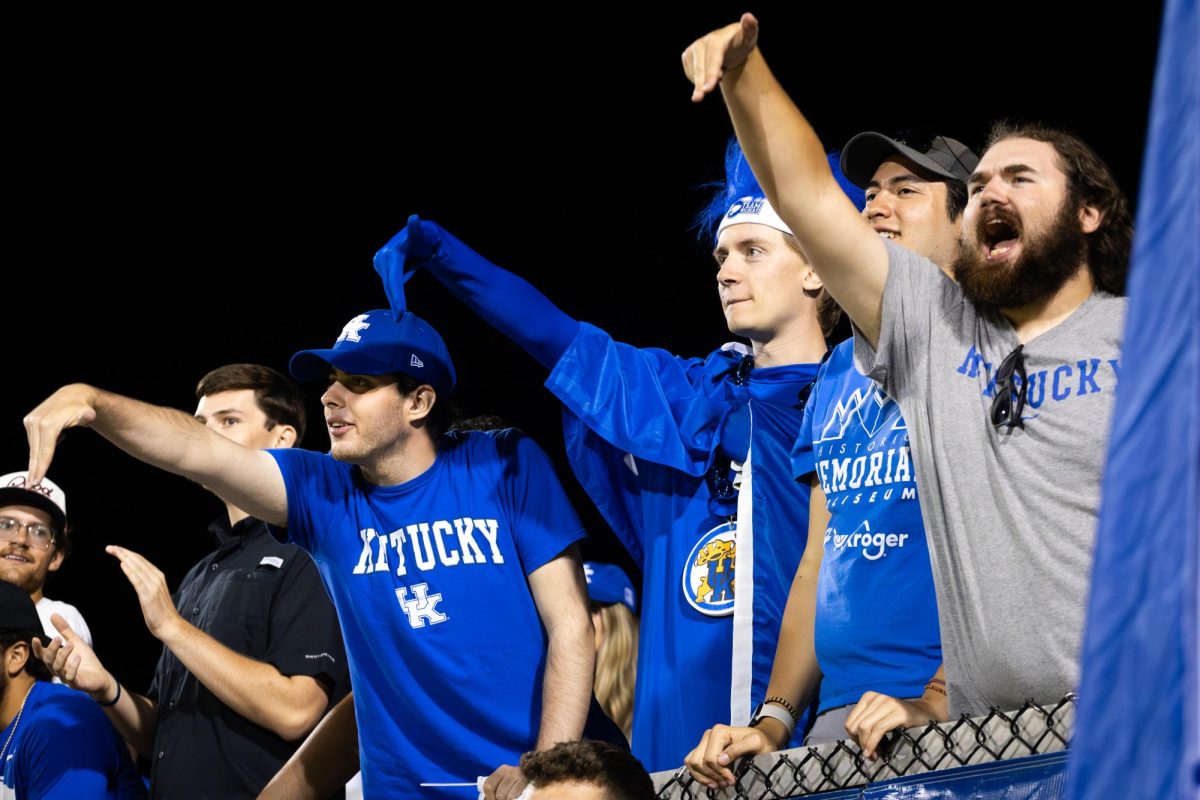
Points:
[(429, 578), (877, 619), (64, 747), (650, 436)]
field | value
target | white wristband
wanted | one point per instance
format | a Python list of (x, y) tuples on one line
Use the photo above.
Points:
[(775, 711)]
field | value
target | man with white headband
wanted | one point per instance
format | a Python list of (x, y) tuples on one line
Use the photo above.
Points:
[(861, 626), (687, 458)]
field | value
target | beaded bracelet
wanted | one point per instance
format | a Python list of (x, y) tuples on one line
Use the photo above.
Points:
[(782, 702)]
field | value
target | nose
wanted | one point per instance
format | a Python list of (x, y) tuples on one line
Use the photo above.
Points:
[(730, 272), (20, 535), (878, 207), (993, 193), (332, 396)]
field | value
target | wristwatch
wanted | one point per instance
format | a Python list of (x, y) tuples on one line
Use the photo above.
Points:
[(775, 711)]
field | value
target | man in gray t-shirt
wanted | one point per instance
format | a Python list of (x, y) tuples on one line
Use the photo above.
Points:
[(1006, 378), (1010, 513)]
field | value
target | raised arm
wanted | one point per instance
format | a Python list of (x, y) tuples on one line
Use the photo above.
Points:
[(790, 164), (288, 705), (165, 438), (505, 301)]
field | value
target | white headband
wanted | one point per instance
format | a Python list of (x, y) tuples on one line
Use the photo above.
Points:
[(752, 209)]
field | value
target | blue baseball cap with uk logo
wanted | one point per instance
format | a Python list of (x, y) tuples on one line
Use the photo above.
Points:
[(381, 342)]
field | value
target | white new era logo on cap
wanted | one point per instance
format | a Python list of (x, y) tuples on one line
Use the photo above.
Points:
[(416, 362)]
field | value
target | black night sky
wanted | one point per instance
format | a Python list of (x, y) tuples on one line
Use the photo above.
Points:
[(215, 193)]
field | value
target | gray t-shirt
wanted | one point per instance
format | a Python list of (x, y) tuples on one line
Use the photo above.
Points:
[(1010, 516)]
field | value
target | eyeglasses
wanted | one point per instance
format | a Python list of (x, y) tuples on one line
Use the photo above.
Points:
[(1009, 400), (37, 535)]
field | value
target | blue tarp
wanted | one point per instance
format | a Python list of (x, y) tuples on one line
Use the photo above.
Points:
[(1136, 729)]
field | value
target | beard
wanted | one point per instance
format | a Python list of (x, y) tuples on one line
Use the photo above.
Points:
[(1045, 263), (26, 579)]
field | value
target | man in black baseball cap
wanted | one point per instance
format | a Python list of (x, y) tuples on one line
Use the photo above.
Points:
[(900, 175), (54, 740)]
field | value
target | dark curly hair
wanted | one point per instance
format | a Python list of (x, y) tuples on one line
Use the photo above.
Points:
[(616, 771)]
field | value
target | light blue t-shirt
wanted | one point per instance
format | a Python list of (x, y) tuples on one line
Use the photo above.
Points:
[(445, 644), (876, 617)]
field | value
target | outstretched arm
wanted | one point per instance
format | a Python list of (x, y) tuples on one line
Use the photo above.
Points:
[(505, 301), (165, 438), (790, 164)]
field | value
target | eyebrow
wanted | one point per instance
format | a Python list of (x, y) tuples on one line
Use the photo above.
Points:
[(1010, 170), (224, 412), (906, 177), (752, 241)]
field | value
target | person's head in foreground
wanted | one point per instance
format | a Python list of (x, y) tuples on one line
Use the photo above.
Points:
[(586, 770)]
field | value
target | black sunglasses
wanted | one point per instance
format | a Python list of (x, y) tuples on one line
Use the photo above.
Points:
[(1009, 400)]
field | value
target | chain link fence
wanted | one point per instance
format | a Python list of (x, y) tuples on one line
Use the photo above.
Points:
[(996, 736)]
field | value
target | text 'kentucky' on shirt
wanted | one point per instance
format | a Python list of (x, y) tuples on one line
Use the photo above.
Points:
[(447, 542)]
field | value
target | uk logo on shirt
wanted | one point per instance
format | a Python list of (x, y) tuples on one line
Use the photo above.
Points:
[(710, 572)]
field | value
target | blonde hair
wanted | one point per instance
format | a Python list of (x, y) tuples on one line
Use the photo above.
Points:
[(616, 663)]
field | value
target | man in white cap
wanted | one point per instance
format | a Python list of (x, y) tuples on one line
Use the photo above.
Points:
[(34, 543)]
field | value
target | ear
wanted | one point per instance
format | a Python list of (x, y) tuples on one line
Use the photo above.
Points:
[(812, 282), (285, 436), (420, 402), (56, 560), (1090, 218), (15, 658)]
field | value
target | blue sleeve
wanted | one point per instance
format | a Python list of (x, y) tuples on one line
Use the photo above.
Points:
[(508, 303), (644, 401), (543, 521), (607, 475), (313, 483), (71, 752)]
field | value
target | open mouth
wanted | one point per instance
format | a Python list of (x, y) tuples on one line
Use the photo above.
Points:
[(1000, 236)]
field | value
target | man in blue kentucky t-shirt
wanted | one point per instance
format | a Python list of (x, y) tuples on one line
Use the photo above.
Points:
[(688, 459), (450, 557)]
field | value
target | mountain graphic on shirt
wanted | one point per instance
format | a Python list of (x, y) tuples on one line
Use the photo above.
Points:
[(870, 407)]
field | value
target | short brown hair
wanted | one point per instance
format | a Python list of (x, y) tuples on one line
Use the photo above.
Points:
[(276, 395)]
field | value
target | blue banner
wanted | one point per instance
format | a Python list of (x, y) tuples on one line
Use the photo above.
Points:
[(1136, 729)]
